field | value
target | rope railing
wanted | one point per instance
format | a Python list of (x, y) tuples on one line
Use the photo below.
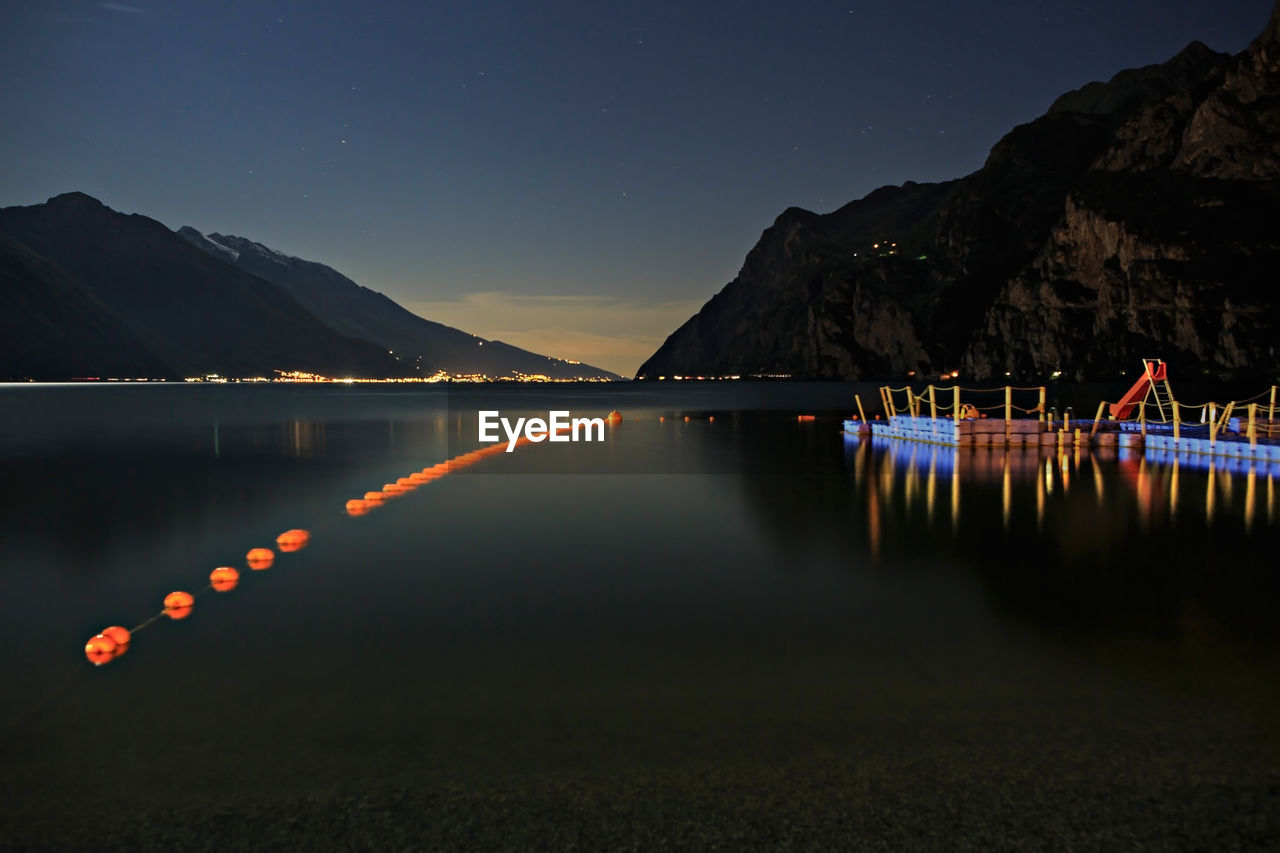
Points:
[(936, 401), (1194, 420)]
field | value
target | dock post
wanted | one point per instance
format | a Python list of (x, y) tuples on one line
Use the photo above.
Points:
[(1041, 407), (1271, 412), (1253, 425), (955, 403), (933, 403), (1177, 421), (1008, 412), (911, 402), (858, 399), (1142, 419), (1213, 423), (1097, 418)]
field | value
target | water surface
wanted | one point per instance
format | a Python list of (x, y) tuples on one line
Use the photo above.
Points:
[(738, 629)]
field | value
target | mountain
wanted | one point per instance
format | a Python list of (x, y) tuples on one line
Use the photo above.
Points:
[(367, 315), (1135, 218), (88, 291)]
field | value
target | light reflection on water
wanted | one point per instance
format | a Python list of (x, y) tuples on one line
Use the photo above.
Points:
[(928, 472)]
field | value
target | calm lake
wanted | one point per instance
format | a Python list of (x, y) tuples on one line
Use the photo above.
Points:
[(719, 627)]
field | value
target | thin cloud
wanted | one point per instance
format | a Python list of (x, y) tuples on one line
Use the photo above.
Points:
[(120, 7), (615, 334)]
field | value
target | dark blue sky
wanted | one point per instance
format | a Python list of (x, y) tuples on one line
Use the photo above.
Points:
[(569, 176)]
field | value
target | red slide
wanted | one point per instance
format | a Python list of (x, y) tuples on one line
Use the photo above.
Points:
[(1154, 371)]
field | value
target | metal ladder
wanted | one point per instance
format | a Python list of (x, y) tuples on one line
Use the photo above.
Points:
[(1162, 393)]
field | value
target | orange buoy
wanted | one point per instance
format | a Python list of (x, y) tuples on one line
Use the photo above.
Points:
[(100, 643), (293, 540), (119, 634), (804, 417), (224, 578), (711, 418), (614, 417), (260, 558), (686, 418), (662, 417), (96, 655), (177, 605)]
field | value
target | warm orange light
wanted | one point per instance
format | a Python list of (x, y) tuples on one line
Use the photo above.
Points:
[(805, 417), (417, 477), (224, 578), (392, 490), (406, 483), (374, 497), (98, 658), (260, 558), (119, 634), (293, 540), (614, 417), (100, 643), (177, 604)]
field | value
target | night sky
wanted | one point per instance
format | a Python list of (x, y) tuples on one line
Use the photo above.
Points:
[(572, 177)]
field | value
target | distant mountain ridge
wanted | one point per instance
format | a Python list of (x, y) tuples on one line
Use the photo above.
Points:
[(86, 291), (365, 314), (1135, 218)]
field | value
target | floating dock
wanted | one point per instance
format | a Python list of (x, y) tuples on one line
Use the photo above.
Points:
[(1146, 417)]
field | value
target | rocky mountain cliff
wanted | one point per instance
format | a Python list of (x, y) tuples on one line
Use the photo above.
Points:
[(1135, 218)]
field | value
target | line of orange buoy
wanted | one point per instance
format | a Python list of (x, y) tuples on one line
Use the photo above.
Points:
[(403, 485), (114, 641)]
